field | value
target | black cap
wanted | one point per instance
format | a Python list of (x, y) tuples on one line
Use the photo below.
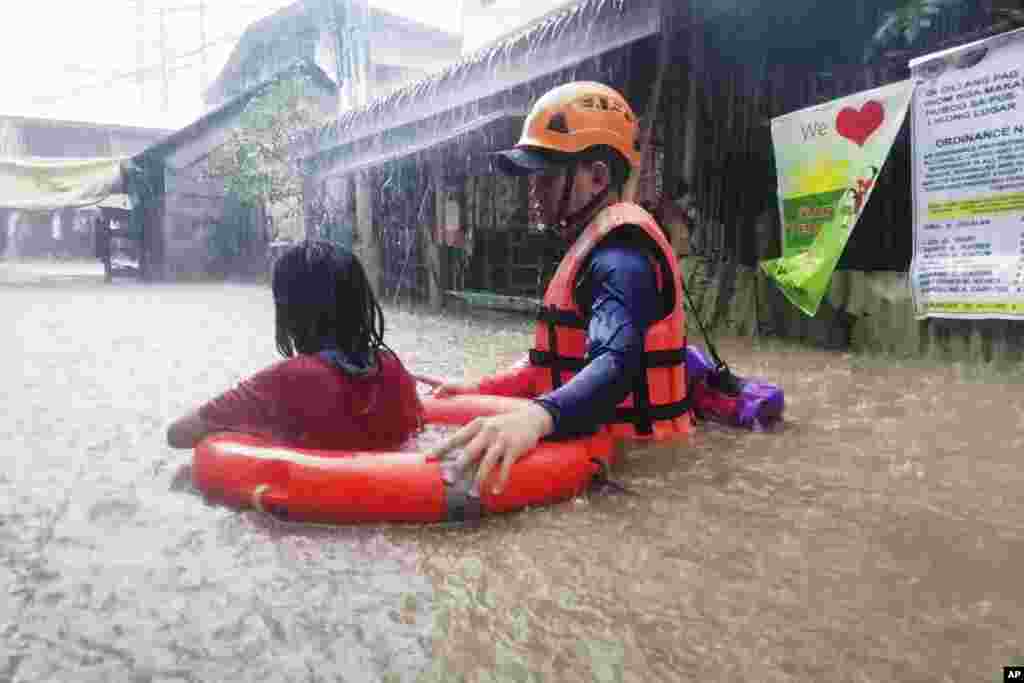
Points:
[(520, 161)]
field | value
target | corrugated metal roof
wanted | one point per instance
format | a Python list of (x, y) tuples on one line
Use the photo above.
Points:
[(387, 152), (565, 37)]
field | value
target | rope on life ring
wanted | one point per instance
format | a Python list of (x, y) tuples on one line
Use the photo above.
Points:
[(602, 479)]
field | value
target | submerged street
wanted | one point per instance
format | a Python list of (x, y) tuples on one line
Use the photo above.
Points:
[(877, 535)]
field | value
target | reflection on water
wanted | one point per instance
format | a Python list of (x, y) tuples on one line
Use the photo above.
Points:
[(877, 536)]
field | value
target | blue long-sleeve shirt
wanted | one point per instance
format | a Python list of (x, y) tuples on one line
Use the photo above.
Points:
[(619, 289)]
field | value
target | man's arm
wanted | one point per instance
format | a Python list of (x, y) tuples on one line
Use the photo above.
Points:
[(519, 380), (625, 303)]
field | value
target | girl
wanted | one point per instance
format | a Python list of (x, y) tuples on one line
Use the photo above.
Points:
[(339, 387)]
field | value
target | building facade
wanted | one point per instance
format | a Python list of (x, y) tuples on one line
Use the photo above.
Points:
[(66, 233), (366, 51), (708, 77)]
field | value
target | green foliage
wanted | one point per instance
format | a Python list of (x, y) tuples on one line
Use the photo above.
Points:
[(908, 21), (259, 163), (828, 33)]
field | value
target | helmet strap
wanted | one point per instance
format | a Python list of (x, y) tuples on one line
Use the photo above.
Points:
[(567, 225), (563, 205)]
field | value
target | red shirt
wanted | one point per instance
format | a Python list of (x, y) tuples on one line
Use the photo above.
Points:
[(308, 401)]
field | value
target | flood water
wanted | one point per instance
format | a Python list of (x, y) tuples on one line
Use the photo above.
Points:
[(877, 536)]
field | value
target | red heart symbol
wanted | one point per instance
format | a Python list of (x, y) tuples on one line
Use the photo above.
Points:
[(859, 125)]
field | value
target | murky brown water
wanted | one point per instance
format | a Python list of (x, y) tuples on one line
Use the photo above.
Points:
[(879, 536)]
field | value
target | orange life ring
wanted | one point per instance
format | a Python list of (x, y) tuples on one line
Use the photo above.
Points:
[(344, 487)]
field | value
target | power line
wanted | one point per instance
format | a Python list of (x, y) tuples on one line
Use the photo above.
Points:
[(220, 5), (160, 12), (203, 83), (141, 74), (140, 49), (123, 75), (165, 97)]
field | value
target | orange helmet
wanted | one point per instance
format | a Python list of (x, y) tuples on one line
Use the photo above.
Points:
[(571, 119)]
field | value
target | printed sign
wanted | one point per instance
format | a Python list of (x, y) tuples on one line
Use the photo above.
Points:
[(827, 158), (968, 150)]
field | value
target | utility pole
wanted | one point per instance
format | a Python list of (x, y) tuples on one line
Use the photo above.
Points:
[(163, 58), (203, 77), (140, 49)]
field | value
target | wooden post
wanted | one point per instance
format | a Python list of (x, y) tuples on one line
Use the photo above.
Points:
[(672, 172), (483, 231), (436, 274), (367, 247), (310, 187), (104, 247)]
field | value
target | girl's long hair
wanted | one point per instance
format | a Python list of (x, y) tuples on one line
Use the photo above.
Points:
[(323, 300)]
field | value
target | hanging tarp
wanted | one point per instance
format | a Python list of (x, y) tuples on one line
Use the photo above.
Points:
[(827, 159), (968, 145), (36, 184)]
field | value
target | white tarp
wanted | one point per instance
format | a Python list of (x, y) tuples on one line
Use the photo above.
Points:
[(37, 184)]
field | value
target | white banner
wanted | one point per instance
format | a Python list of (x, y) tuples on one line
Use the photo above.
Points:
[(968, 171)]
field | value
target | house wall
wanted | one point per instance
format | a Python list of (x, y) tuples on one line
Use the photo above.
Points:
[(64, 234), (25, 137), (307, 31), (402, 206), (267, 47), (400, 42), (191, 209)]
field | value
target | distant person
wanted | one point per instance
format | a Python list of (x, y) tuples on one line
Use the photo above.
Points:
[(339, 387), (104, 247)]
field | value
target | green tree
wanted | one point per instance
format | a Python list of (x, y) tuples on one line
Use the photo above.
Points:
[(260, 166), (260, 161), (909, 21)]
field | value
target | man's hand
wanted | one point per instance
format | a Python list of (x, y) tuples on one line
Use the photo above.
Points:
[(496, 439), (449, 389)]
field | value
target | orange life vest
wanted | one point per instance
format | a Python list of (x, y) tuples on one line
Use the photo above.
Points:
[(658, 405)]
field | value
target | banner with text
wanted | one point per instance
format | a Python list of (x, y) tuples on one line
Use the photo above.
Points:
[(968, 150), (827, 158)]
